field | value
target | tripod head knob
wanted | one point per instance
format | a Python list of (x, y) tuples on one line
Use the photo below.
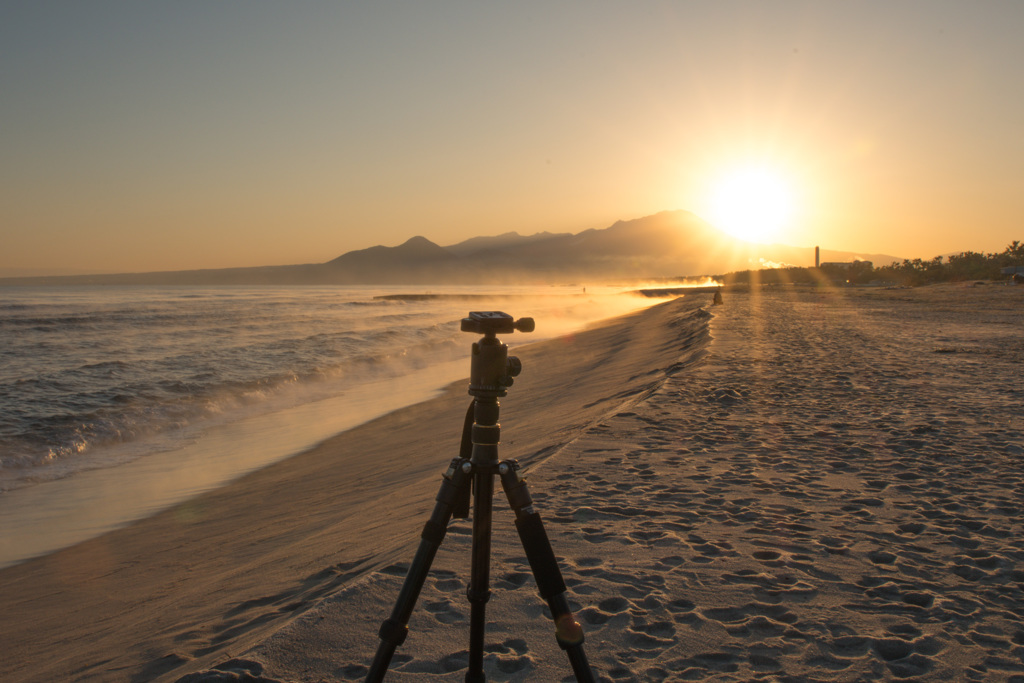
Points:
[(513, 367), (525, 325)]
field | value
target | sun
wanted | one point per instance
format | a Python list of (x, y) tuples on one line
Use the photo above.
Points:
[(753, 203)]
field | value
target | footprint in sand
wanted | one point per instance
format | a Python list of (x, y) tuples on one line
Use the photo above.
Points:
[(653, 637), (901, 657), (512, 580), (834, 545), (757, 627), (511, 656), (653, 538), (444, 611), (606, 610), (700, 665), (443, 665), (882, 557), (769, 557), (446, 581), (911, 528), (741, 615)]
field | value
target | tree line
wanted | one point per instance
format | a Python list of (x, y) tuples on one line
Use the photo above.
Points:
[(967, 265)]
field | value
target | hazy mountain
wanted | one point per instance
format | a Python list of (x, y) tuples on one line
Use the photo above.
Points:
[(509, 239), (667, 244), (415, 260), (415, 251)]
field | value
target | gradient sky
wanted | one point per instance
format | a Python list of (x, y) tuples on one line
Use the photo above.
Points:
[(178, 135)]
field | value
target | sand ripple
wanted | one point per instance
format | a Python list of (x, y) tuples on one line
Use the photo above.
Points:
[(834, 494)]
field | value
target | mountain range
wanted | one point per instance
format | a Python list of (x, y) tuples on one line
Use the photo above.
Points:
[(665, 245)]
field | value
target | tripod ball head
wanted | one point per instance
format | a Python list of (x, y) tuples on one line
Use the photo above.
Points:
[(492, 367)]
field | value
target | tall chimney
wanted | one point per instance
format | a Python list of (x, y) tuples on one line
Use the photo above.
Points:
[(817, 257)]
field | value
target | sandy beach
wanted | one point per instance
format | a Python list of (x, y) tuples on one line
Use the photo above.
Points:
[(799, 485)]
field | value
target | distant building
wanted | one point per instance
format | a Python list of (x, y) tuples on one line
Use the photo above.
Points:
[(1012, 270), (847, 265)]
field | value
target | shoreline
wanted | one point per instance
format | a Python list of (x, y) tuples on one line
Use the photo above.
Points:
[(48, 516), (64, 502), (833, 494), (166, 586)]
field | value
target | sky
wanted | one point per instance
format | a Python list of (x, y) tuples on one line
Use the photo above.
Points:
[(180, 135)]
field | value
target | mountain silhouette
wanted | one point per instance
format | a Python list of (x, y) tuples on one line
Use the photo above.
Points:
[(415, 259), (666, 244), (413, 251), (475, 245)]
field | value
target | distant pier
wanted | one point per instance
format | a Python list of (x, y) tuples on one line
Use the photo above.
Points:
[(678, 291), (456, 297)]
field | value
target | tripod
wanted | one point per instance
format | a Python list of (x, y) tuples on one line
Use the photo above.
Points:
[(491, 374)]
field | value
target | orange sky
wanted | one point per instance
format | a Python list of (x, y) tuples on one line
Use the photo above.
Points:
[(137, 137)]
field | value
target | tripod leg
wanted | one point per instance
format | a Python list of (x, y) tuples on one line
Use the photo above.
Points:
[(479, 591), (568, 631), (485, 436), (394, 629)]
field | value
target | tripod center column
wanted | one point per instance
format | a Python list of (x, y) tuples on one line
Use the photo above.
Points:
[(488, 380)]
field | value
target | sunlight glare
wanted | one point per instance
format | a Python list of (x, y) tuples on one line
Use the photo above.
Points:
[(753, 203)]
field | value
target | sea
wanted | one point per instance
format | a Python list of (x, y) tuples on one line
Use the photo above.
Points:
[(117, 402)]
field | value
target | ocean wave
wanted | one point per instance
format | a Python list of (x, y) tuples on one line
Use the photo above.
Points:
[(105, 365), (95, 405), (82, 371), (366, 304)]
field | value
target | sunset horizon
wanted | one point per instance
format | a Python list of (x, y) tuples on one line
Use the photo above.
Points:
[(747, 278), (666, 245), (240, 135), (725, 235)]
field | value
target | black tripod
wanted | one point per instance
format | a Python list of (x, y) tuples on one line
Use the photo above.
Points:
[(491, 374)]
